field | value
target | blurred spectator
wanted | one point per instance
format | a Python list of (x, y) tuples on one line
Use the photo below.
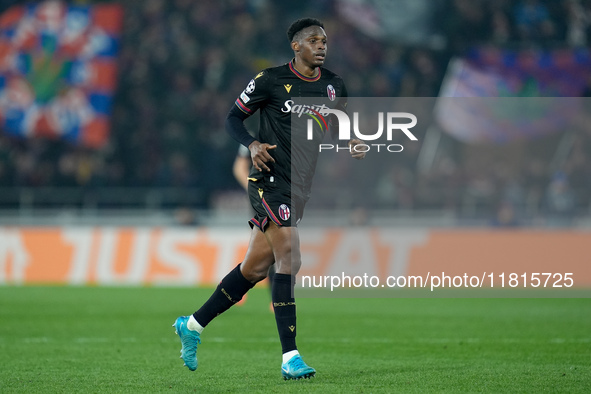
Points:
[(185, 216), (505, 216), (501, 30), (533, 21), (578, 22), (466, 24), (559, 201)]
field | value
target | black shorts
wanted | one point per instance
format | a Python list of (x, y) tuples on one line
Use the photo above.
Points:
[(273, 202)]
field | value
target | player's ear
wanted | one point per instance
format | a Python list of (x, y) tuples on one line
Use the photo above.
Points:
[(295, 46)]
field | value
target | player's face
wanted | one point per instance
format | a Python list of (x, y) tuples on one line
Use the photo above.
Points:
[(311, 48)]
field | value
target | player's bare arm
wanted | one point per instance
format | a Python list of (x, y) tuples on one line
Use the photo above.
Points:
[(241, 169), (260, 155)]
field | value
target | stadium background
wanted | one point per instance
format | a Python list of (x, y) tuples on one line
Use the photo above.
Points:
[(155, 204), (166, 159)]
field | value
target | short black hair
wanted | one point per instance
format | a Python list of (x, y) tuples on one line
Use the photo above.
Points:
[(300, 25)]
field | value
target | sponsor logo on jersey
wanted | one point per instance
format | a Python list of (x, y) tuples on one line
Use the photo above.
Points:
[(331, 92), (284, 212), (300, 109), (250, 87), (244, 97), (287, 87)]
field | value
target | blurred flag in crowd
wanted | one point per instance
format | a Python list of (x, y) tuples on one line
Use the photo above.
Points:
[(503, 95), (58, 70), (407, 21)]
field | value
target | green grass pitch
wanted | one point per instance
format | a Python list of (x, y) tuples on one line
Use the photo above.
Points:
[(110, 339)]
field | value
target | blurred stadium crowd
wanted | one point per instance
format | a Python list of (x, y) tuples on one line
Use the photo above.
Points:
[(183, 62)]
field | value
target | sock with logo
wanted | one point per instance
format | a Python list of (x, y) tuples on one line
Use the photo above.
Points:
[(285, 310), (230, 290)]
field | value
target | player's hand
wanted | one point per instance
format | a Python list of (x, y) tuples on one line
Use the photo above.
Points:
[(355, 154), (260, 155)]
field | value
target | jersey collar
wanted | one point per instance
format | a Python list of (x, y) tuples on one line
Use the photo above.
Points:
[(302, 76)]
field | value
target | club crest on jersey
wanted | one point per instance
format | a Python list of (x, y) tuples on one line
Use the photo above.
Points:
[(284, 212), (331, 92), (250, 87)]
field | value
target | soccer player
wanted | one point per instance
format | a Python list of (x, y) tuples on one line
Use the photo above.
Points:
[(277, 197), (241, 167), (241, 170)]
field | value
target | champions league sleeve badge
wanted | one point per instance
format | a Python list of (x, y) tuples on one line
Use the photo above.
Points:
[(250, 88)]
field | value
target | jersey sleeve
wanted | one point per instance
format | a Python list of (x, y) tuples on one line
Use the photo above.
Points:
[(255, 94)]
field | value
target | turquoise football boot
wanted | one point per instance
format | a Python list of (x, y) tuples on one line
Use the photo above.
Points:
[(296, 368), (189, 339)]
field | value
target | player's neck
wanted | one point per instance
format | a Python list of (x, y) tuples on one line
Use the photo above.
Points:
[(303, 69)]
